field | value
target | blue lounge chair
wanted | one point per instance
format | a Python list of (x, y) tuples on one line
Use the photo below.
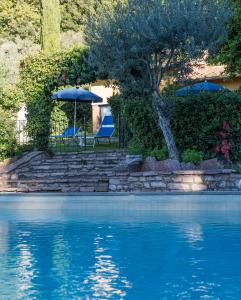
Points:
[(106, 131), (68, 133)]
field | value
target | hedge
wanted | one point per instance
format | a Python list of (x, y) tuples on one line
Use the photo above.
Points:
[(41, 75), (8, 141), (138, 119), (206, 122), (10, 98)]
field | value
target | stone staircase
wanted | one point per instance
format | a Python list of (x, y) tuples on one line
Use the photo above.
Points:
[(71, 172)]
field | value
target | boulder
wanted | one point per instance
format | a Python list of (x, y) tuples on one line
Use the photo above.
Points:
[(188, 166), (132, 163), (168, 165), (211, 164), (151, 164)]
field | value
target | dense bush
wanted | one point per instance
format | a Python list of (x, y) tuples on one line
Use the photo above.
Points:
[(192, 156), (138, 118), (209, 122), (7, 134), (206, 122), (40, 76), (159, 154), (135, 147), (10, 98)]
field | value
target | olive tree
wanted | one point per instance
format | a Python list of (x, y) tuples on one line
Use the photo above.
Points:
[(138, 42)]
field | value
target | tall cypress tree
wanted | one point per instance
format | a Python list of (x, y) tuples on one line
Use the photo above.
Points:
[(50, 25)]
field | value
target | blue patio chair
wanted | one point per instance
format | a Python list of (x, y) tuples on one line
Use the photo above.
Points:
[(69, 132), (106, 131)]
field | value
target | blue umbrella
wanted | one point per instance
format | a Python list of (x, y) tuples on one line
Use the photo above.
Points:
[(200, 87), (75, 95)]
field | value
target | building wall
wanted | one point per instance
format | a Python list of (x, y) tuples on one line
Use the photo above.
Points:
[(99, 88), (231, 84)]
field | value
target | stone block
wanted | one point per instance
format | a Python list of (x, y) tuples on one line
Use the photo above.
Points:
[(147, 185), (211, 164), (158, 184), (198, 187), (179, 187), (130, 179), (114, 181), (86, 189), (112, 187)]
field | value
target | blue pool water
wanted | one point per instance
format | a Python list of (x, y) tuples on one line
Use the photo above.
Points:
[(120, 247)]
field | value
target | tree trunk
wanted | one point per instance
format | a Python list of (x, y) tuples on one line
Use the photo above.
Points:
[(165, 126)]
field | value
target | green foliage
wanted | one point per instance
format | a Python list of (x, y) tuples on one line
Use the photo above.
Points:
[(10, 98), (230, 53), (50, 25), (19, 19), (59, 119), (192, 156), (139, 42), (159, 154), (139, 119), (40, 76), (199, 121), (22, 18), (7, 134), (136, 147)]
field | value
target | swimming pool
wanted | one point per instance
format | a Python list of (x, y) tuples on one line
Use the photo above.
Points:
[(136, 247)]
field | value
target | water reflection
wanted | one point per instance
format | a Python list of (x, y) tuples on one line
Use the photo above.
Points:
[(91, 259), (105, 280), (193, 233)]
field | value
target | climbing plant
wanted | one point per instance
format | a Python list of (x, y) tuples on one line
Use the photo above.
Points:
[(42, 74)]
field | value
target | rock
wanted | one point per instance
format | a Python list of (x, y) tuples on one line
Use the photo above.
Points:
[(188, 166), (132, 163), (211, 164), (168, 165), (150, 164)]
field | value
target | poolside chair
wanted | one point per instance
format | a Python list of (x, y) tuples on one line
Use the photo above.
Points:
[(106, 131), (68, 133)]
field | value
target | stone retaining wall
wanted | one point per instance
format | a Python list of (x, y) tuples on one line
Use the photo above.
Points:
[(183, 181)]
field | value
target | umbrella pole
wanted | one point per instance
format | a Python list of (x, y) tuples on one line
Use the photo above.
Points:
[(74, 117), (85, 130)]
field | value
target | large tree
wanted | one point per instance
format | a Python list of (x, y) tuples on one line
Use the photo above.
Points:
[(230, 53), (137, 42), (50, 25)]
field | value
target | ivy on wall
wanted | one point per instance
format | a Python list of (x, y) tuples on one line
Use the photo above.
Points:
[(41, 75)]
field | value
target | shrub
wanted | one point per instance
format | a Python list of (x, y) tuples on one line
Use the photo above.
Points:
[(135, 147), (138, 118), (199, 119), (159, 154), (192, 156), (7, 135)]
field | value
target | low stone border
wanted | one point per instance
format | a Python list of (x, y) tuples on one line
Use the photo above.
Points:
[(8, 168), (184, 181)]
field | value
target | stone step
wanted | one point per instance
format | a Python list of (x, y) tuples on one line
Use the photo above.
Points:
[(103, 160), (70, 165), (77, 170), (69, 175)]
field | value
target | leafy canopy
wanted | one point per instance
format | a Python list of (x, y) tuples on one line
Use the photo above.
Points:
[(230, 53), (137, 42)]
